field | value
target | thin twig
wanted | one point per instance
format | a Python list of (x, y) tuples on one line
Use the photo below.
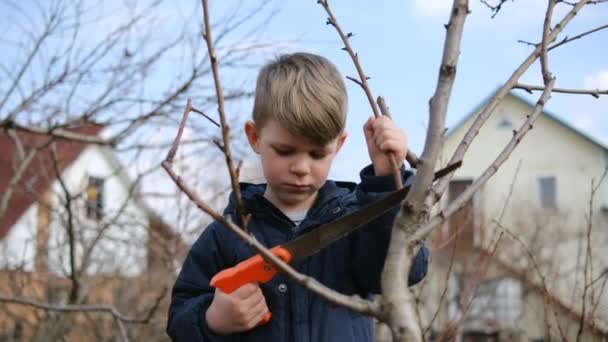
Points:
[(395, 164), (205, 115), (538, 271), (494, 9), (602, 289), (85, 308), (220, 108), (469, 293), (588, 257), (411, 157), (593, 92), (586, 269), (544, 63), (180, 131), (70, 229), (578, 36), (445, 290), (119, 318)]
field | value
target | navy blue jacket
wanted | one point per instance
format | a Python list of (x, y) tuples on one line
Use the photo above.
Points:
[(351, 265)]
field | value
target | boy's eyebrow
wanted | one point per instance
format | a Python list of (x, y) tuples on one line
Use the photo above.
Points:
[(281, 145), (289, 146)]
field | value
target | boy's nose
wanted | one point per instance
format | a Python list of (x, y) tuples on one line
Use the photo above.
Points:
[(300, 167)]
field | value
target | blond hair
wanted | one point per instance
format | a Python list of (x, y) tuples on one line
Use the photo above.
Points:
[(305, 94)]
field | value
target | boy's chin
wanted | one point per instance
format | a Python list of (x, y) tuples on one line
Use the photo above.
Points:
[(296, 200)]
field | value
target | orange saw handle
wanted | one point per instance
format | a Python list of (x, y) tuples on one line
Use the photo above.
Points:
[(254, 269)]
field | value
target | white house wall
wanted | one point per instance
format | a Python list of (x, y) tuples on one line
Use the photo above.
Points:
[(549, 149), (121, 246), (573, 161), (17, 249)]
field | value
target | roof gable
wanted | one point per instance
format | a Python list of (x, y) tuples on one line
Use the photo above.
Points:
[(546, 114)]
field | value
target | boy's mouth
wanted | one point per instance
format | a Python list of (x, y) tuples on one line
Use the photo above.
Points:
[(298, 187)]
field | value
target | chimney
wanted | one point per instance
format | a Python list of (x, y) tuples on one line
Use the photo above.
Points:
[(42, 233)]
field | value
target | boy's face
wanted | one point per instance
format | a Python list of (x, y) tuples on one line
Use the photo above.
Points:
[(294, 167)]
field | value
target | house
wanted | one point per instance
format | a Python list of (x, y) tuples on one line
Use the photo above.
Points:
[(525, 259), (73, 213)]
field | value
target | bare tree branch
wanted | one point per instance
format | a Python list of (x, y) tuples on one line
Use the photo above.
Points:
[(398, 306), (578, 36), (395, 164), (469, 294), (440, 187), (70, 230), (411, 157), (494, 8), (88, 308), (543, 280), (593, 92), (588, 259), (220, 108), (466, 195)]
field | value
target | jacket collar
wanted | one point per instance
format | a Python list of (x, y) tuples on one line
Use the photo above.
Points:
[(254, 201)]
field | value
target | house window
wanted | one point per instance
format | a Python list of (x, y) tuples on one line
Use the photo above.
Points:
[(95, 198), (494, 300), (548, 192), (504, 123)]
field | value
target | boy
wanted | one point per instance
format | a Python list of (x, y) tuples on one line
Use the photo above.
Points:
[(297, 129)]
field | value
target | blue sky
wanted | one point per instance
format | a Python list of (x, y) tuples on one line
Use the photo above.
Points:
[(400, 45)]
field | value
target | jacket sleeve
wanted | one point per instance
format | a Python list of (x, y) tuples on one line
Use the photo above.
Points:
[(192, 294), (369, 245)]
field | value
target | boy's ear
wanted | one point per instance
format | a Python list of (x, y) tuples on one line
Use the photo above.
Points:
[(253, 136), (341, 140)]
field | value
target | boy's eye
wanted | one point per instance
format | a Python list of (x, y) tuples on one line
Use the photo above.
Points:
[(318, 155), (283, 152)]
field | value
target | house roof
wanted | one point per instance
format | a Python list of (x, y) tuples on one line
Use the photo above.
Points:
[(40, 173), (547, 114)]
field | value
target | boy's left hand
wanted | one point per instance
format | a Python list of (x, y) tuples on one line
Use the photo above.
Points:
[(383, 136)]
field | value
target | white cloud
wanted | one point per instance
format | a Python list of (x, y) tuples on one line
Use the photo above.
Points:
[(597, 81), (432, 7)]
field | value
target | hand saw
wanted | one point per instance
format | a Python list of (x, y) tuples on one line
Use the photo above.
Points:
[(256, 269)]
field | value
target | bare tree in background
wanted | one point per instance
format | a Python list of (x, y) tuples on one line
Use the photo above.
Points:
[(416, 219), (111, 75)]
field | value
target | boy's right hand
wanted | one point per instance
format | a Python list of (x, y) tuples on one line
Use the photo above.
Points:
[(238, 311)]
